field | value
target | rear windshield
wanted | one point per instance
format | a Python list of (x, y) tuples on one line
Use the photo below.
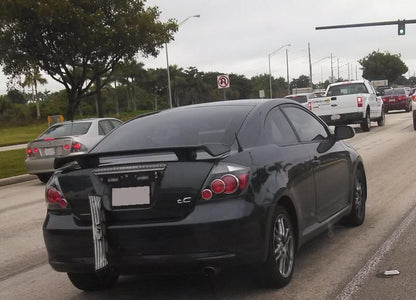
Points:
[(347, 89), (394, 92), (215, 125), (300, 99), (68, 129)]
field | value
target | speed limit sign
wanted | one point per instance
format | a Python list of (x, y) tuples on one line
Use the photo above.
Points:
[(223, 81)]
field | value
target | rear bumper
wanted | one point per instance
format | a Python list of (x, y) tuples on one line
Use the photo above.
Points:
[(396, 105), (40, 165), (216, 234), (343, 119)]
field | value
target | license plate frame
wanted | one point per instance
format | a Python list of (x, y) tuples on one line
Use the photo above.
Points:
[(49, 151), (130, 196)]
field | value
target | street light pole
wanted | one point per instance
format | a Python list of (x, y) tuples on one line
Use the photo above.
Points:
[(270, 69), (167, 60)]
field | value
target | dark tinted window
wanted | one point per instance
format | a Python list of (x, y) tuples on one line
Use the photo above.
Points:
[(115, 123), (394, 92), (67, 129), (300, 99), (278, 130), (307, 127), (347, 89), (177, 128)]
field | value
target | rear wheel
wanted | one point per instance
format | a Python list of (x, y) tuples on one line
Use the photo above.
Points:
[(44, 177), (277, 271), (366, 123), (382, 120), (91, 281), (359, 197), (414, 119)]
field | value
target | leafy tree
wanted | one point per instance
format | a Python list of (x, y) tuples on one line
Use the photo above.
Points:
[(16, 97), (301, 82), (32, 79), (78, 42), (378, 65), (412, 81)]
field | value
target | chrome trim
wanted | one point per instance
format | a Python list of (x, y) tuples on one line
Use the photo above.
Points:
[(98, 228), (129, 169)]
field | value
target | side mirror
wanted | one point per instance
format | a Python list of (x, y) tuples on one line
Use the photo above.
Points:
[(344, 132)]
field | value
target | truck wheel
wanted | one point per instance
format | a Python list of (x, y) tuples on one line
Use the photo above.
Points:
[(366, 123), (382, 120)]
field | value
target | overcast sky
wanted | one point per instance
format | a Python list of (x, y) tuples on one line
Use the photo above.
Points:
[(236, 36)]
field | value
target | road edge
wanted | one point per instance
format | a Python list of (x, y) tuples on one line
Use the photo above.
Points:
[(16, 179)]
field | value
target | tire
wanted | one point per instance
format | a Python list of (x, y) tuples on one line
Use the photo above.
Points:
[(359, 197), (409, 107), (91, 281), (366, 123), (44, 177), (382, 120), (277, 271), (414, 119)]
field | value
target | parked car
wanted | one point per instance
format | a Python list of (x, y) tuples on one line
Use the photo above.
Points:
[(202, 187), (397, 98), (350, 102), (63, 139), (303, 98), (414, 109)]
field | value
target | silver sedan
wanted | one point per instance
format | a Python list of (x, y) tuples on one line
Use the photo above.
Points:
[(64, 139)]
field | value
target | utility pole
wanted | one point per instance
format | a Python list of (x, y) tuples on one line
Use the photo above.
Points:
[(356, 73), (332, 71), (287, 72), (338, 68), (349, 71), (310, 66)]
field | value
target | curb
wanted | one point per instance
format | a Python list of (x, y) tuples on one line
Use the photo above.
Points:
[(16, 179)]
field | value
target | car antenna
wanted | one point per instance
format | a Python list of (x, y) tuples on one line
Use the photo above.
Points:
[(240, 149)]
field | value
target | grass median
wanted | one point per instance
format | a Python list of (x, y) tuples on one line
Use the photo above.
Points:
[(12, 163), (21, 134)]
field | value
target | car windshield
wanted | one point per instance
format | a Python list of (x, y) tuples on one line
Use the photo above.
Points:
[(68, 129), (300, 99), (216, 125), (347, 89), (394, 92)]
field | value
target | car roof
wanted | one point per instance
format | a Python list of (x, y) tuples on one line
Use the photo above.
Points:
[(251, 102), (84, 120), (300, 94), (347, 82)]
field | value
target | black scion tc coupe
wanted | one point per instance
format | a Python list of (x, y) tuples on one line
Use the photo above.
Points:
[(204, 186)]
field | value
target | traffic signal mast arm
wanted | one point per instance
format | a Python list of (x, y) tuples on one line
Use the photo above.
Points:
[(401, 25)]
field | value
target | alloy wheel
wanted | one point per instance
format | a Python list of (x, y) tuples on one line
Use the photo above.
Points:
[(283, 246)]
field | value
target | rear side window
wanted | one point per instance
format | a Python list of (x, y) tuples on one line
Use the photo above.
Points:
[(300, 99), (212, 125), (278, 130), (347, 89), (394, 92), (307, 127), (68, 129)]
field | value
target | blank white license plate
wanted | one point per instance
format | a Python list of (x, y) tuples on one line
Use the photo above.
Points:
[(392, 100), (139, 195), (49, 151), (335, 117)]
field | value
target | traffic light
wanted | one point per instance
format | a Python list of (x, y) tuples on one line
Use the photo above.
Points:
[(401, 28)]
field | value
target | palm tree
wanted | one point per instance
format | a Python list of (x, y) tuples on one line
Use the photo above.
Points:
[(32, 78)]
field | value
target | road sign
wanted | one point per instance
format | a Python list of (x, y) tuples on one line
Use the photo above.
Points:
[(223, 81)]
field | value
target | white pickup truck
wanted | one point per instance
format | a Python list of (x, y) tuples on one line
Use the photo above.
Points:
[(350, 102)]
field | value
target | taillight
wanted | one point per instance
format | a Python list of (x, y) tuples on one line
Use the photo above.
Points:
[(35, 150), (66, 147), (414, 98), (384, 99), (310, 105), (29, 152), (77, 147), (225, 180), (401, 98), (360, 101), (55, 199)]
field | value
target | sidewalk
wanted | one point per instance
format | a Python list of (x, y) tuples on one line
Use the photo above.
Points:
[(13, 147)]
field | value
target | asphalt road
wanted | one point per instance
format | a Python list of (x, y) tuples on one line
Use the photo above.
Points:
[(345, 263)]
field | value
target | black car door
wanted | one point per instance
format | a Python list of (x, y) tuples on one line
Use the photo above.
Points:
[(330, 161)]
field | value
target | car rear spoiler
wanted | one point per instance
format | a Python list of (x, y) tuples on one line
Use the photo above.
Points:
[(185, 153)]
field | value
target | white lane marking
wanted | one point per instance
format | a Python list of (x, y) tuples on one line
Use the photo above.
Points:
[(359, 279)]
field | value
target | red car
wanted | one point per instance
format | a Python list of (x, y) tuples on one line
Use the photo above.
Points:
[(397, 98)]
